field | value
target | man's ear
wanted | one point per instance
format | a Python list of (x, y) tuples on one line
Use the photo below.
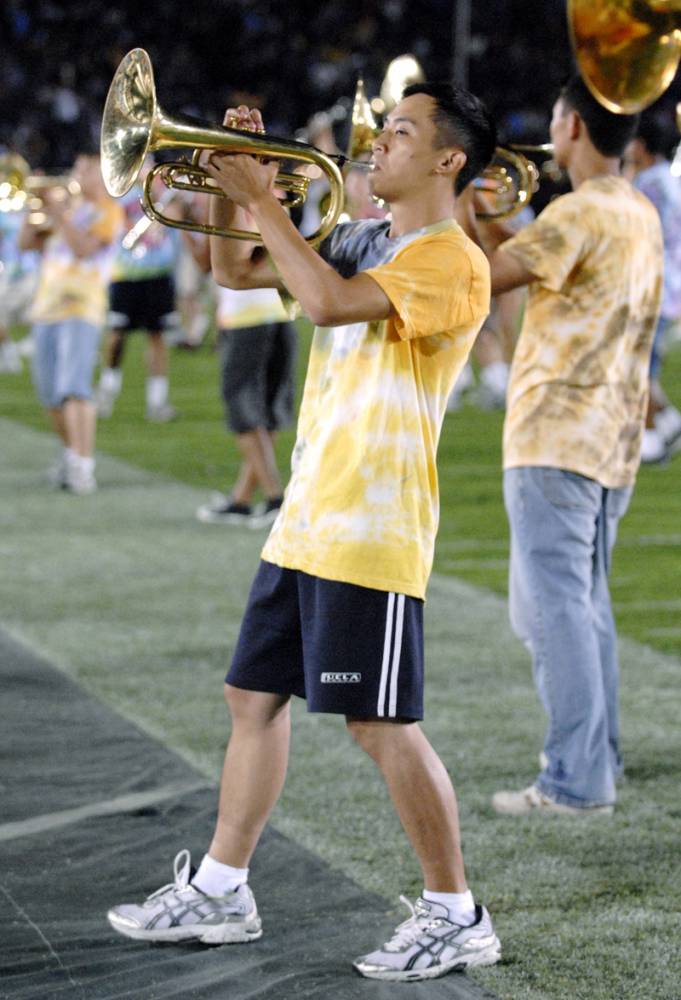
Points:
[(452, 162), (575, 124)]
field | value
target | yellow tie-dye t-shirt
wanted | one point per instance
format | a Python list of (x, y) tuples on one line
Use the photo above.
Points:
[(362, 504), (73, 287), (579, 380)]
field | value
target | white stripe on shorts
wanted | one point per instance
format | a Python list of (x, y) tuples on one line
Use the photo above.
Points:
[(397, 652), (393, 624)]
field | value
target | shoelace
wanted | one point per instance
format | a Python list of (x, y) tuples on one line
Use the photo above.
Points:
[(181, 870), (408, 932)]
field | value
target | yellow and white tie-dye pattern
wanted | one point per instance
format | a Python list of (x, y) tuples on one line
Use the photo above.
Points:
[(579, 379), (362, 504), (73, 287)]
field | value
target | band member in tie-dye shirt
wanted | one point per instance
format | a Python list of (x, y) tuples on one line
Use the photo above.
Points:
[(572, 438), (335, 612), (68, 314)]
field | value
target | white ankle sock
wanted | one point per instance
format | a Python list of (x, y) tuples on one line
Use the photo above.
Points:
[(461, 905), (111, 380), (216, 879), (156, 391)]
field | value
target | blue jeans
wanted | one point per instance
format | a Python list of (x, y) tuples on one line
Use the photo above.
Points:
[(563, 528), (64, 360)]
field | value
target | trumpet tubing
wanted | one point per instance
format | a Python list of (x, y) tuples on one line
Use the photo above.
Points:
[(134, 125), (511, 179)]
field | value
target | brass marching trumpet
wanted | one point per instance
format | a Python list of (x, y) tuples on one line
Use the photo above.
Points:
[(134, 125), (20, 190)]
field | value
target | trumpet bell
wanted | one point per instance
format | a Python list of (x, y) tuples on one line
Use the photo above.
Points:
[(128, 122), (627, 50)]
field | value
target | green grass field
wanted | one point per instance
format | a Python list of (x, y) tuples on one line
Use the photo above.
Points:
[(473, 537), (129, 594)]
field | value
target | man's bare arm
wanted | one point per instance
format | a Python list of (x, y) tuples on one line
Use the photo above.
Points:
[(507, 271), (326, 297)]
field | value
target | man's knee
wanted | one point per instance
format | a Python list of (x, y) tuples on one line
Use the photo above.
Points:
[(377, 736), (258, 707)]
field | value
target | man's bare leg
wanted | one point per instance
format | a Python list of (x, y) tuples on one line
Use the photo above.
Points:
[(246, 483), (56, 417), (257, 449), (423, 796), (253, 774), (80, 421)]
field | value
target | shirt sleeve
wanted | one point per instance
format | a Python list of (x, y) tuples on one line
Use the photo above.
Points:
[(435, 287), (553, 244)]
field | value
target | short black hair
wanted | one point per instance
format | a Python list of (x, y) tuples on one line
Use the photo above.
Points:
[(655, 137), (609, 132), (461, 119)]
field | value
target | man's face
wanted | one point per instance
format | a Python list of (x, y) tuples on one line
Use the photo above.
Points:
[(87, 171), (560, 132), (404, 153)]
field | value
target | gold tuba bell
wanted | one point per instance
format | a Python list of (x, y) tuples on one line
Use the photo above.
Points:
[(134, 125), (627, 50)]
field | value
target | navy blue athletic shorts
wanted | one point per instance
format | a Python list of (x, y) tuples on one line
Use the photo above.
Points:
[(347, 650)]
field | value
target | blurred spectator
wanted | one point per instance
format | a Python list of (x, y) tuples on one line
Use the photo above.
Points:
[(646, 164)]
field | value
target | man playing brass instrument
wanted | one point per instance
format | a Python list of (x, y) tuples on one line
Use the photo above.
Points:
[(68, 315), (335, 612), (572, 439)]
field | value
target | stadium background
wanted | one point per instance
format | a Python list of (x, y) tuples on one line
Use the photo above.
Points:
[(140, 604)]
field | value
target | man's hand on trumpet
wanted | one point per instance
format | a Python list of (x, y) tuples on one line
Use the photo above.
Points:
[(245, 179)]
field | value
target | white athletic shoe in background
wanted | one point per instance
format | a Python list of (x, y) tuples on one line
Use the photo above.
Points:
[(653, 447), (668, 426), (531, 800)]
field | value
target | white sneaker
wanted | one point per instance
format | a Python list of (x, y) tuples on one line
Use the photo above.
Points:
[(491, 392), (80, 476), (223, 510), (104, 401), (465, 381), (531, 800), (668, 426), (179, 912), (653, 447), (429, 944), (82, 484), (10, 359), (26, 346)]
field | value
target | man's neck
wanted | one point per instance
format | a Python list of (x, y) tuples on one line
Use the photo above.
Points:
[(407, 216), (589, 163)]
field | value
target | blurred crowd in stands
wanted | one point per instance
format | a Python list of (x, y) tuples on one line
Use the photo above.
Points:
[(57, 58)]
